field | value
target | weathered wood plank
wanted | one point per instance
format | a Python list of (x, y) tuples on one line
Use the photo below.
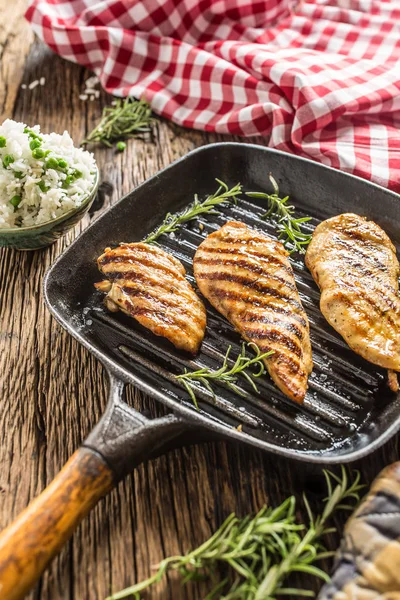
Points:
[(52, 391), (15, 41)]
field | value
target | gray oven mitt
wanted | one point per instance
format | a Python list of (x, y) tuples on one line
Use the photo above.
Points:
[(367, 565)]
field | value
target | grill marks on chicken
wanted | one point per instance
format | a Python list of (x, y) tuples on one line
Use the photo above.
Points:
[(149, 284), (247, 277), (354, 263)]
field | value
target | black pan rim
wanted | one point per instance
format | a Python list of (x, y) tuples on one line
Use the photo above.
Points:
[(189, 414)]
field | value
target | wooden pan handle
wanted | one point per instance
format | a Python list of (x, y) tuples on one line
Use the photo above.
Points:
[(35, 537)]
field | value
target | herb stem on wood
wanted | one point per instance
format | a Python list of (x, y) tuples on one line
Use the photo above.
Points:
[(258, 553), (125, 119), (309, 549), (289, 228), (172, 222)]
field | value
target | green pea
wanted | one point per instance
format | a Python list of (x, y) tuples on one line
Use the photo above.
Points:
[(18, 174), (121, 146), (32, 134), (62, 163), (77, 174), (47, 152), (7, 160), (43, 187), (52, 163), (3, 141), (15, 201), (67, 181), (37, 153), (34, 144)]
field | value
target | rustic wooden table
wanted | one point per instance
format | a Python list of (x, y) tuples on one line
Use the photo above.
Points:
[(53, 391)]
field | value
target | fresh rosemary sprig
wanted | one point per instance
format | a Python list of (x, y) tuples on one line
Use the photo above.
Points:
[(260, 552), (226, 374), (309, 549), (289, 228), (126, 118), (172, 222)]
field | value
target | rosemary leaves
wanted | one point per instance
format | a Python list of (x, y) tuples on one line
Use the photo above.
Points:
[(258, 553), (172, 222), (125, 119), (289, 228), (226, 374)]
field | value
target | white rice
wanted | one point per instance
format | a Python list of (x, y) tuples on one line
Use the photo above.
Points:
[(22, 177)]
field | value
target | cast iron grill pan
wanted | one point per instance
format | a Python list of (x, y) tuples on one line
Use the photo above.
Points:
[(348, 410), (343, 390), (348, 406)]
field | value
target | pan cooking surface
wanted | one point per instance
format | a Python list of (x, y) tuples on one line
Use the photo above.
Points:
[(348, 406)]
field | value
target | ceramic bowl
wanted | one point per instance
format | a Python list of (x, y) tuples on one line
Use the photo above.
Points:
[(45, 234)]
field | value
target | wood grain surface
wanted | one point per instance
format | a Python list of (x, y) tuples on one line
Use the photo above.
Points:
[(52, 391)]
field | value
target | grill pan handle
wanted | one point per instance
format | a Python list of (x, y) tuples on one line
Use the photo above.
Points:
[(125, 438), (122, 439)]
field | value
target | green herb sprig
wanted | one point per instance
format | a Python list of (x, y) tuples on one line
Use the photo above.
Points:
[(226, 374), (125, 119), (173, 222), (289, 228), (259, 553), (302, 555)]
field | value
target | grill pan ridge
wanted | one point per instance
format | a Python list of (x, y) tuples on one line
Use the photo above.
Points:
[(348, 410)]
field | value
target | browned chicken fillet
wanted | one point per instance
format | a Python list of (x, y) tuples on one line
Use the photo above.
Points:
[(149, 284), (247, 277), (355, 265)]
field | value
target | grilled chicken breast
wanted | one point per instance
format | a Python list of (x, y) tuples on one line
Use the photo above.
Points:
[(354, 263), (247, 277), (149, 284)]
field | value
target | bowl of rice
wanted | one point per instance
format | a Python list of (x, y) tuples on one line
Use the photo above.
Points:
[(46, 185)]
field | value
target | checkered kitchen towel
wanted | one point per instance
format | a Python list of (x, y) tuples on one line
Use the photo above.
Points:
[(320, 78)]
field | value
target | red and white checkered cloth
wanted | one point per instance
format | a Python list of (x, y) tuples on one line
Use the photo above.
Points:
[(320, 77)]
